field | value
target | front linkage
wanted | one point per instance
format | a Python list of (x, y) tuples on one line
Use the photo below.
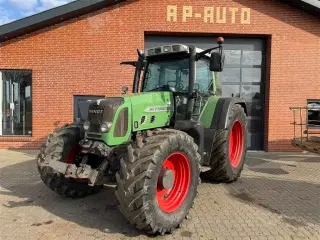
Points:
[(86, 160)]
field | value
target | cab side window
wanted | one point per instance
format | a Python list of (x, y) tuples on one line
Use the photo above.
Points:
[(204, 77)]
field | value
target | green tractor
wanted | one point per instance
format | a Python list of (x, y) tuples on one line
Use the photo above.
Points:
[(153, 142)]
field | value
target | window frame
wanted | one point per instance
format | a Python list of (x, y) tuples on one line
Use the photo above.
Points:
[(203, 58), (31, 95), (307, 115), (212, 73), (155, 61)]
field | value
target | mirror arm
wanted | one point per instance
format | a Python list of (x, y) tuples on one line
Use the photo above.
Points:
[(203, 53), (220, 49), (132, 63)]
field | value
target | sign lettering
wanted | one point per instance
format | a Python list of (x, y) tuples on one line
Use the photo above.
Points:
[(172, 13), (159, 109), (210, 14)]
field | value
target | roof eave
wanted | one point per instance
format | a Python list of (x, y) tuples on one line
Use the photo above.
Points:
[(309, 6), (51, 17), (80, 7)]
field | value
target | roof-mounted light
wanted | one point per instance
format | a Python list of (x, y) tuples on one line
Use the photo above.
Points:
[(151, 52), (167, 50)]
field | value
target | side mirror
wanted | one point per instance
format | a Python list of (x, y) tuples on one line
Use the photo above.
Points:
[(216, 62)]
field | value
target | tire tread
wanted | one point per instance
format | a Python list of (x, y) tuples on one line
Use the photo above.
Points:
[(135, 170), (219, 161), (55, 148)]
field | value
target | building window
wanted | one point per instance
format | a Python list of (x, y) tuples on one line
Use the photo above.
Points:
[(314, 113), (15, 103)]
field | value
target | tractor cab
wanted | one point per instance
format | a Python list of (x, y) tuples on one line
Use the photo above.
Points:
[(172, 72), (188, 72)]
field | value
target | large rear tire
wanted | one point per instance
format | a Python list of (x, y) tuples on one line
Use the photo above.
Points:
[(63, 145), (229, 148), (158, 180)]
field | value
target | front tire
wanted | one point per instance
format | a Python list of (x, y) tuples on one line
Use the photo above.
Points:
[(63, 145), (158, 180), (229, 148)]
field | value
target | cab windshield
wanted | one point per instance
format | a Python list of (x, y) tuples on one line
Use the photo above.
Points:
[(174, 75)]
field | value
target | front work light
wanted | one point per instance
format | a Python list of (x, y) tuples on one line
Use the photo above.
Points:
[(105, 127), (86, 125)]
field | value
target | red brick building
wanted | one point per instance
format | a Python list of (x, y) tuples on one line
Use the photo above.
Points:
[(53, 61)]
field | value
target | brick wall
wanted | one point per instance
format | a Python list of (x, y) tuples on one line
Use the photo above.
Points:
[(81, 57)]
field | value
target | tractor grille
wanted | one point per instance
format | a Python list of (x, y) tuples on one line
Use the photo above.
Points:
[(102, 111), (152, 119), (93, 136)]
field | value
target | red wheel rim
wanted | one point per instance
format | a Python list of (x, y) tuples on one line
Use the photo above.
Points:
[(236, 143), (70, 160), (72, 153), (170, 200)]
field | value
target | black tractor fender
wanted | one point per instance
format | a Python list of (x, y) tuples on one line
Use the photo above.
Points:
[(195, 129), (219, 121), (204, 137), (222, 111)]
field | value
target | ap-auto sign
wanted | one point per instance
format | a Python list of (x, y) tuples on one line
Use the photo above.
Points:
[(210, 14)]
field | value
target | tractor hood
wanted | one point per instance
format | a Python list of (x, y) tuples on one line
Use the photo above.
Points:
[(103, 110), (151, 109), (127, 114)]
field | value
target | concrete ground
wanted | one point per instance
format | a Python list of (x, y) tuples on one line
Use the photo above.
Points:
[(277, 197)]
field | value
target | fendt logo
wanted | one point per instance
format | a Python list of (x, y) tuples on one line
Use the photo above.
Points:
[(95, 111)]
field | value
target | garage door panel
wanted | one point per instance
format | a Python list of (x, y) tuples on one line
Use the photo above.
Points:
[(251, 58), (232, 57), (231, 75), (254, 108), (230, 90), (251, 75)]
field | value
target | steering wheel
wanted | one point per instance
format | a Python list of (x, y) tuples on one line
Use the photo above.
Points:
[(177, 85)]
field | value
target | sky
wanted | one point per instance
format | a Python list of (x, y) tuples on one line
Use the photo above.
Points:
[(11, 10)]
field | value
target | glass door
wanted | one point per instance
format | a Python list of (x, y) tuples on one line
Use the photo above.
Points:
[(16, 110)]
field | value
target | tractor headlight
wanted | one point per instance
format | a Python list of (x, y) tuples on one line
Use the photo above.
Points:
[(86, 125), (105, 127)]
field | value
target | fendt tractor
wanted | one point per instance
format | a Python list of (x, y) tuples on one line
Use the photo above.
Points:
[(153, 142)]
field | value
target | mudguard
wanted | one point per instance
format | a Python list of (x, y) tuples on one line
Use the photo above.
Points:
[(195, 129), (219, 121), (204, 137), (221, 114)]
